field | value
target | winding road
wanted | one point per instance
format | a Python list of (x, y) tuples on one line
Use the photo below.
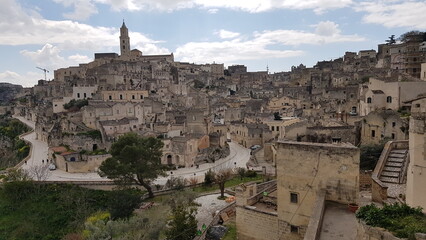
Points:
[(238, 157)]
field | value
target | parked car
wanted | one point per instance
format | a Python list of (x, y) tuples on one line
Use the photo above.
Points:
[(52, 167), (254, 147)]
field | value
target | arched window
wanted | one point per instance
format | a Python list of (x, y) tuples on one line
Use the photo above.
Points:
[(369, 100), (389, 99)]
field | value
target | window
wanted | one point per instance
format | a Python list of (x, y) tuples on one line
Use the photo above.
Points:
[(133, 96), (294, 198), (273, 128), (389, 99), (141, 96), (294, 229), (369, 100), (121, 96), (78, 95), (417, 105), (84, 95), (393, 135), (110, 97), (393, 124), (373, 133)]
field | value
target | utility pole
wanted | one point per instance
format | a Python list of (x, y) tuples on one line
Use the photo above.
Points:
[(44, 70)]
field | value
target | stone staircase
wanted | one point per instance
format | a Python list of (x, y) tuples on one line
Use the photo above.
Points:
[(394, 167)]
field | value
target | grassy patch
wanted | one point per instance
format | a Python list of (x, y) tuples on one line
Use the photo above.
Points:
[(232, 231), (45, 212), (233, 182)]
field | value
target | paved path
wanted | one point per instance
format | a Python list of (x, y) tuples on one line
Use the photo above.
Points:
[(238, 157), (209, 206), (39, 152)]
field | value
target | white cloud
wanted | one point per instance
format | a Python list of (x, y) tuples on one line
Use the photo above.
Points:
[(257, 47), (254, 6), (327, 28), (77, 59), (21, 27), (136, 5), (49, 57), (27, 80), (83, 9), (395, 13), (227, 34), (229, 51), (213, 10)]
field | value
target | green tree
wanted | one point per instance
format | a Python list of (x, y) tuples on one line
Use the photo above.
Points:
[(209, 178), (123, 202), (183, 225), (242, 172), (135, 160), (369, 156)]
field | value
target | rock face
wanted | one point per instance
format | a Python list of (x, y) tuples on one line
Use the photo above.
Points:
[(8, 92)]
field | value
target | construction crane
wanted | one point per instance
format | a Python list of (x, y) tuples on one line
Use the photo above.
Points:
[(44, 70)]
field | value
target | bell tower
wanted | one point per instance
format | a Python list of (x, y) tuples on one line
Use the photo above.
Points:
[(124, 40)]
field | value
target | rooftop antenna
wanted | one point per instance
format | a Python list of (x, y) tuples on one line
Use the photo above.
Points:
[(44, 70)]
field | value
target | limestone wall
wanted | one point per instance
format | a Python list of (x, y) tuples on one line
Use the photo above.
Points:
[(304, 169), (365, 232), (256, 225)]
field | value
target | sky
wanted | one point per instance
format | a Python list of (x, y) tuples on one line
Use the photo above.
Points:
[(277, 34)]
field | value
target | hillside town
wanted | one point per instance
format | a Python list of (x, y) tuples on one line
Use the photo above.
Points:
[(304, 129)]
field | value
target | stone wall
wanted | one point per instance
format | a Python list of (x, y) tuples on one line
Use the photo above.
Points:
[(303, 169), (345, 133), (365, 180), (91, 163), (256, 225), (365, 232)]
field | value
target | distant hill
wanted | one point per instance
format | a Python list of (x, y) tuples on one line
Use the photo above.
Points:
[(8, 92)]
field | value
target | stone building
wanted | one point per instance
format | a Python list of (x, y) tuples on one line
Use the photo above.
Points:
[(283, 104), (250, 134), (124, 95), (381, 125), (380, 94), (416, 174), (306, 173), (182, 151)]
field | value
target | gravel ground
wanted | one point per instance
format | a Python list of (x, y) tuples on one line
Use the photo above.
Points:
[(209, 205)]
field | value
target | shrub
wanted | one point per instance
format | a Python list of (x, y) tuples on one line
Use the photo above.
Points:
[(209, 178), (241, 172), (401, 219), (122, 203), (251, 174)]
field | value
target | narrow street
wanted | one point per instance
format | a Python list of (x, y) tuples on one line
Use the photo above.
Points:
[(238, 157)]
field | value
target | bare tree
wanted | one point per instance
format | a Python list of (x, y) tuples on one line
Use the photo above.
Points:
[(193, 181), (221, 177), (40, 172)]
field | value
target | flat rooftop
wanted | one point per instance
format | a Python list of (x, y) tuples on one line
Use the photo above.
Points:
[(338, 222)]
